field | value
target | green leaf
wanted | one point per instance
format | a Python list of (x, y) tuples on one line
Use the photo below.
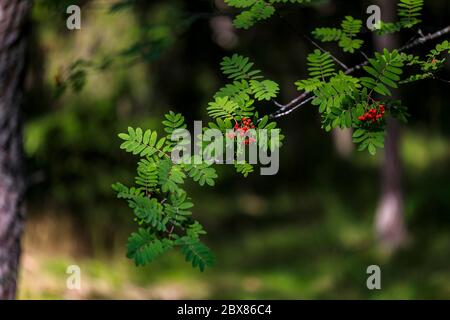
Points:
[(222, 108), (238, 67), (244, 168), (135, 143), (409, 12), (143, 247), (327, 34), (201, 173), (197, 253), (264, 90)]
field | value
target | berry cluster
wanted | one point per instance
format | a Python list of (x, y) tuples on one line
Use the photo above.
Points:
[(373, 114), (242, 128)]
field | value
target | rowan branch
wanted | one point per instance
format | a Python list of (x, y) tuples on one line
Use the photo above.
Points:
[(285, 109), (428, 37)]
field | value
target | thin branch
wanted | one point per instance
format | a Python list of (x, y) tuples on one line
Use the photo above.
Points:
[(314, 43), (364, 55), (289, 110), (443, 80), (428, 37), (420, 33), (306, 97), (357, 67)]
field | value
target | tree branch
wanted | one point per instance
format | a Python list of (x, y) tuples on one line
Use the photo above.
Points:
[(285, 109), (428, 37)]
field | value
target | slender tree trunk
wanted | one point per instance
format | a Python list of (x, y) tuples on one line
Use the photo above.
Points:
[(13, 15), (343, 142), (389, 219)]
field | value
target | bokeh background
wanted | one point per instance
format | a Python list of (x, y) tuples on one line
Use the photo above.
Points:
[(305, 233)]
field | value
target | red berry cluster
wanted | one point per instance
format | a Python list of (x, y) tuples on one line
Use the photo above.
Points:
[(241, 129), (373, 114)]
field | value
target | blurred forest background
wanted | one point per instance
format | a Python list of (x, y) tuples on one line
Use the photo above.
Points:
[(305, 233)]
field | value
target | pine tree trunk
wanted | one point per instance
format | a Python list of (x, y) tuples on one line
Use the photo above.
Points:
[(13, 15), (389, 219)]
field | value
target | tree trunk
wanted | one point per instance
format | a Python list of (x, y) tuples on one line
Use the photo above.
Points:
[(343, 142), (13, 15), (389, 219)]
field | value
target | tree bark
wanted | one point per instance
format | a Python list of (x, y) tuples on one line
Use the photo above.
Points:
[(13, 15), (389, 219)]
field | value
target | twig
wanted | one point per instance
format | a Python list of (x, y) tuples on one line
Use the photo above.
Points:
[(306, 97), (364, 55), (443, 80), (314, 43), (428, 37), (171, 231), (289, 110)]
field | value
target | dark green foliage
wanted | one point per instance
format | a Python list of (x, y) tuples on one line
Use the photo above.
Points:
[(196, 252), (237, 99), (320, 67), (409, 12), (384, 28), (327, 34), (202, 174), (341, 98), (223, 108), (264, 90), (143, 143), (147, 174), (260, 10), (238, 91), (257, 10), (158, 202), (369, 139), (434, 62), (160, 205), (384, 70), (144, 247), (346, 36), (333, 93), (148, 211), (173, 122), (238, 67), (351, 27), (244, 168)]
